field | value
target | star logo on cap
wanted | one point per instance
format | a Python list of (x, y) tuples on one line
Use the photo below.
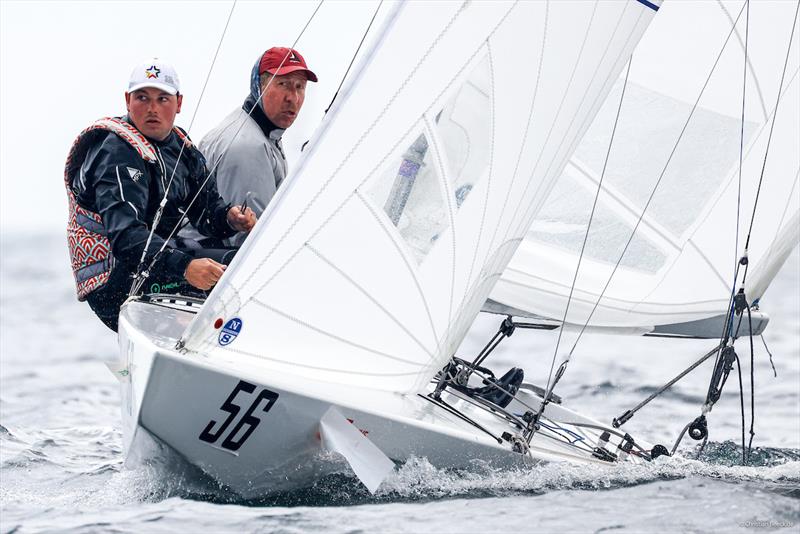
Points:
[(152, 72)]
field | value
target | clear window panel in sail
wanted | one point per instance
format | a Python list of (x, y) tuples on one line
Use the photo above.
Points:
[(463, 127), (409, 191)]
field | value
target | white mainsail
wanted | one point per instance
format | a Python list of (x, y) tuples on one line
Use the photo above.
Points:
[(680, 265), (376, 255)]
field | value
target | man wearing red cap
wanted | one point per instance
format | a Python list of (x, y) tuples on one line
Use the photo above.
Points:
[(130, 180), (245, 148)]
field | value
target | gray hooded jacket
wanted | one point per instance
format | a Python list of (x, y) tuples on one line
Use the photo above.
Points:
[(249, 165)]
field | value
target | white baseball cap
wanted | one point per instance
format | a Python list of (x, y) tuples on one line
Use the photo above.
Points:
[(155, 73)]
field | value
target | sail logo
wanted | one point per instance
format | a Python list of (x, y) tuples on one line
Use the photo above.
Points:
[(229, 332)]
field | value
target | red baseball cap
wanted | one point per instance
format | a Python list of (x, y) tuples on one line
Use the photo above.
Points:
[(280, 61)]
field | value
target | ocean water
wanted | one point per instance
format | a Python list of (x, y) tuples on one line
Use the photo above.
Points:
[(61, 459)]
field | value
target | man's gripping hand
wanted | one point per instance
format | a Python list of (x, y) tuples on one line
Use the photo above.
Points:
[(203, 273), (241, 220)]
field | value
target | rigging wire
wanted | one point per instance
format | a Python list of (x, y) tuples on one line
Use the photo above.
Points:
[(736, 244), (771, 129), (741, 146), (744, 259), (143, 274), (355, 54), (752, 384), (764, 341), (741, 402), (661, 176), (644, 209), (163, 203), (562, 367)]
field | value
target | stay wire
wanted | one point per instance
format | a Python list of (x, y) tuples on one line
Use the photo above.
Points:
[(658, 182), (162, 204), (353, 59), (752, 384), (766, 155), (741, 402), (551, 383), (741, 142), (210, 172), (772, 126), (563, 366), (772, 363), (752, 380), (743, 261)]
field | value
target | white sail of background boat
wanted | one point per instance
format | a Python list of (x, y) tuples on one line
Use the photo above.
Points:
[(362, 277), (678, 271)]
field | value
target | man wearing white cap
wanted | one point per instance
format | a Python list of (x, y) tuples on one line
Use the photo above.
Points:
[(120, 173), (245, 148)]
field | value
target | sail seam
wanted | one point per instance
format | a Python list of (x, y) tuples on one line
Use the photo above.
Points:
[(669, 160), (624, 203), (632, 303), (524, 135), (443, 172), (399, 250), (481, 225), (331, 335), (357, 144), (228, 348), (353, 149), (335, 173), (649, 200), (372, 299), (515, 230), (587, 120)]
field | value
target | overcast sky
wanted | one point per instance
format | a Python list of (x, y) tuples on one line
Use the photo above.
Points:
[(65, 64)]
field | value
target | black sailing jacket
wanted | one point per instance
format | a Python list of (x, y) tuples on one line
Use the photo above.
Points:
[(115, 182)]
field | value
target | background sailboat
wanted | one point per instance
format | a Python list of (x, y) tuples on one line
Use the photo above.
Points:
[(679, 266)]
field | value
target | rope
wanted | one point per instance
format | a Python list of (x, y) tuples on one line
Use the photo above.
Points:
[(764, 341), (741, 401), (140, 279), (655, 188), (562, 368), (741, 145), (772, 126), (625, 417), (358, 49), (752, 384), (163, 203)]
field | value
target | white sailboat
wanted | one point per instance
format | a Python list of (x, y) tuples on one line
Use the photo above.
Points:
[(676, 276), (361, 279), (697, 195)]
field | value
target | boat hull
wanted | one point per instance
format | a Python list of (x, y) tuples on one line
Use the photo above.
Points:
[(258, 433)]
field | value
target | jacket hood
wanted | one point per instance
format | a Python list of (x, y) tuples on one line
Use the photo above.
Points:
[(253, 106)]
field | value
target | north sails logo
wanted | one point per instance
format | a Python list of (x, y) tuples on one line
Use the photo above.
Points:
[(293, 58), (135, 174)]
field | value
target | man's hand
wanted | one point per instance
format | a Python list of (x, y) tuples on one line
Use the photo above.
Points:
[(203, 273), (241, 219)]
